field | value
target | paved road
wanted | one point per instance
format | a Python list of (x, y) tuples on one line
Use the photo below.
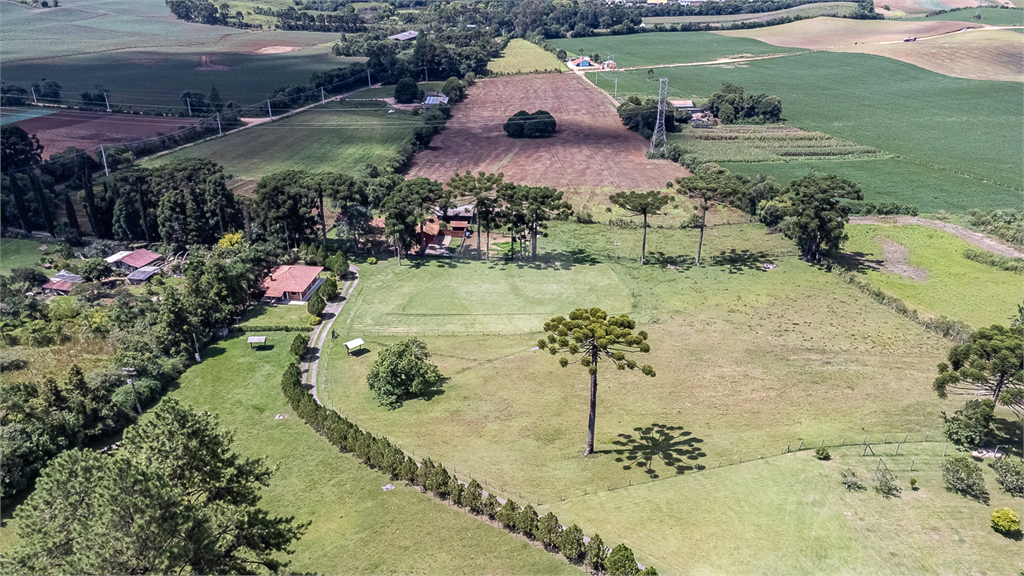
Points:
[(319, 336)]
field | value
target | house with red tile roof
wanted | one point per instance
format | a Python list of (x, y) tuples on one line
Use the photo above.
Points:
[(291, 283), (132, 261)]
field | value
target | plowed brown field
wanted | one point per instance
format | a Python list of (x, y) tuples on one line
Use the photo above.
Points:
[(86, 130), (591, 155)]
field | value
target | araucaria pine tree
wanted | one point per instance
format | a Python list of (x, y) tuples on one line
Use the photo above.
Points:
[(594, 338)]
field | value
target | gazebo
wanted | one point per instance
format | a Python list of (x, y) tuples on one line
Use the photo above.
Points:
[(256, 341)]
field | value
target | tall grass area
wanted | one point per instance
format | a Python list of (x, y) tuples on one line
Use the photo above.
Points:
[(17, 253), (956, 287), (338, 136), (948, 156), (524, 57), (747, 361), (357, 528), (765, 143)]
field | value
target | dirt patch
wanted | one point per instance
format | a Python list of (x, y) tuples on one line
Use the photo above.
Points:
[(894, 260), (206, 65), (591, 155), (87, 130), (277, 49), (974, 238)]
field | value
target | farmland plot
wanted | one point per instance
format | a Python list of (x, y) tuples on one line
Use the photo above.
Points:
[(590, 155), (86, 130)]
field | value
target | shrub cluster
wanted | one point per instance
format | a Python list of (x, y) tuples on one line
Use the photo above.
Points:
[(524, 124), (245, 328), (1015, 265), (1006, 521), (962, 475), (380, 454), (1010, 475), (861, 208)]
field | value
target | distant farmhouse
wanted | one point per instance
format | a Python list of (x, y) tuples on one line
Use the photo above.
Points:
[(584, 63), (62, 283), (132, 261), (291, 284)]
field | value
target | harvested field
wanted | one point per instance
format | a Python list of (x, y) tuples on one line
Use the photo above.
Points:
[(87, 130), (591, 155), (806, 11), (918, 6), (953, 48)]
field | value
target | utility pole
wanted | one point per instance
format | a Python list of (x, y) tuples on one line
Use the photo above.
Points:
[(34, 101), (194, 339), (616, 97), (188, 102), (128, 373), (369, 84), (105, 101), (102, 152), (221, 132), (658, 140), (323, 99), (269, 111)]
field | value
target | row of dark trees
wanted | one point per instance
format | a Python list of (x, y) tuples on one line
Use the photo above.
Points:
[(455, 51), (381, 454), (732, 105)]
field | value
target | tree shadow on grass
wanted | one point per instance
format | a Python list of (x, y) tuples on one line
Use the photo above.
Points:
[(673, 446), (857, 262), (680, 262), (740, 260)]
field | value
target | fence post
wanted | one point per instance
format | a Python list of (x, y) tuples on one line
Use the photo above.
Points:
[(886, 440), (822, 443), (911, 464), (926, 436), (905, 436), (865, 439), (844, 440), (944, 450), (801, 447), (897, 449)]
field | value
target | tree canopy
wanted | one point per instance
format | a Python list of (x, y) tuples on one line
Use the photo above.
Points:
[(401, 371), (710, 184), (595, 338), (525, 124), (990, 363), (18, 149), (641, 204), (817, 216), (174, 498)]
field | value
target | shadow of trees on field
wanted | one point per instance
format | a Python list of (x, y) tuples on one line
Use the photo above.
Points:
[(672, 446), (857, 262), (738, 261)]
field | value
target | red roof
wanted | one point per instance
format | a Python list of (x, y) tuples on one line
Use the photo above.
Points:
[(289, 279), (140, 258), (62, 285)]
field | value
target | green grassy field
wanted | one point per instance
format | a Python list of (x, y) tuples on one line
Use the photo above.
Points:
[(807, 11), (281, 315), (749, 361), (16, 253), (955, 286), (667, 48), (897, 117), (86, 43), (389, 91), (790, 515), (356, 527), (339, 136), (523, 57), (989, 16), (766, 143)]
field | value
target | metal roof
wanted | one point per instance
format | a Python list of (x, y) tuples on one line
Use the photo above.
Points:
[(144, 273), (407, 35)]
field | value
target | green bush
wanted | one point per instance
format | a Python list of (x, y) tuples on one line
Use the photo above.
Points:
[(1010, 475), (970, 425), (299, 345), (570, 543), (851, 480), (821, 453), (1006, 521), (913, 483), (316, 304), (406, 91), (329, 289), (885, 483), (963, 476), (371, 260), (621, 562)]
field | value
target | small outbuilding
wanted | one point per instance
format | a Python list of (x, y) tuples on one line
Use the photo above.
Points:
[(143, 275), (353, 345), (132, 261), (62, 283), (404, 36), (256, 341)]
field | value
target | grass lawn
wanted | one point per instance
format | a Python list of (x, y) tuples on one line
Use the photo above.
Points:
[(956, 287), (356, 527), (339, 136), (748, 360), (807, 11), (524, 57), (389, 91), (989, 16), (790, 515), (279, 315), (667, 48), (15, 253)]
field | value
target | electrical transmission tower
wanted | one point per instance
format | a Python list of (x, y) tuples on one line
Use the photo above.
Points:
[(658, 139)]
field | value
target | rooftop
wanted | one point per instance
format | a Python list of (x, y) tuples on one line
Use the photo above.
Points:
[(144, 273), (407, 35), (289, 279)]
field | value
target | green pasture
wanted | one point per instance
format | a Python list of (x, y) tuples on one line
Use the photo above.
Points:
[(806, 11), (980, 144), (356, 527), (389, 91), (667, 48), (338, 136), (790, 515), (748, 360), (765, 143), (989, 16), (15, 253), (277, 315), (85, 44), (524, 57), (956, 287)]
